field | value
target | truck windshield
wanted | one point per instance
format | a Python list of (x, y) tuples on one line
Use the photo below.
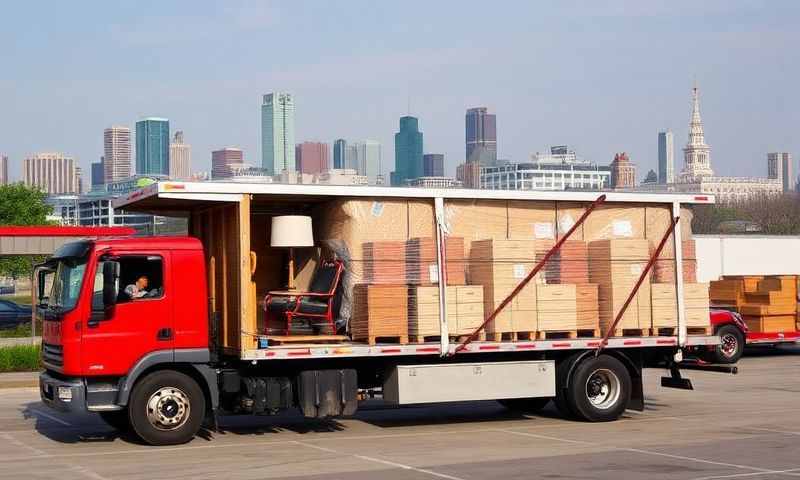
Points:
[(67, 283)]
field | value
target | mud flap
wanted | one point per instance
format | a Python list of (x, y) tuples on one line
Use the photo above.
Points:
[(327, 393)]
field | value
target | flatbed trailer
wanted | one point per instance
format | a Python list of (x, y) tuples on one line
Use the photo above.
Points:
[(201, 353)]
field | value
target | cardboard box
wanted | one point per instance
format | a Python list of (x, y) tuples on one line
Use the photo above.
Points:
[(615, 266), (464, 310), (385, 263), (531, 220), (476, 220), (379, 311), (610, 221), (773, 323), (665, 305)]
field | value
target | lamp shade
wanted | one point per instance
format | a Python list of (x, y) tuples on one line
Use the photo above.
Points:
[(291, 231)]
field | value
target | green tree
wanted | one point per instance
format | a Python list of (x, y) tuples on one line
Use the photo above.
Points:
[(21, 205)]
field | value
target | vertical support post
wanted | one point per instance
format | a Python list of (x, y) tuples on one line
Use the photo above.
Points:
[(441, 265), (34, 301), (247, 312), (676, 212)]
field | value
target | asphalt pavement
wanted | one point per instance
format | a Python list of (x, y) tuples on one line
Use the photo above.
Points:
[(744, 426)]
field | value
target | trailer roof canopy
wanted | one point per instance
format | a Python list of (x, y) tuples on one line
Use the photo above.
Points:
[(176, 197)]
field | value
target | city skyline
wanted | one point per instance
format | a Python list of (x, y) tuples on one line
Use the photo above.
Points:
[(744, 74)]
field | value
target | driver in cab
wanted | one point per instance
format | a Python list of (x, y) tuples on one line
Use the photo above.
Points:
[(137, 289)]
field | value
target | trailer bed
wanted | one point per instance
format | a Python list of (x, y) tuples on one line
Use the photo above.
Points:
[(347, 349)]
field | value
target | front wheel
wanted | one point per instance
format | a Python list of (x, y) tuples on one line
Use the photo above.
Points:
[(599, 389), (731, 345), (166, 408)]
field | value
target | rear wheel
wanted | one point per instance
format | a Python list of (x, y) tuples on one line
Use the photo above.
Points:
[(525, 405), (166, 408), (731, 345), (599, 389), (117, 419)]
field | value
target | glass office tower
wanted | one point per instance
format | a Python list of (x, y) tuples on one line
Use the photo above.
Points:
[(152, 146)]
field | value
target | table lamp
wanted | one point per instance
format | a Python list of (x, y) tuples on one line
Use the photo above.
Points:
[(291, 231)]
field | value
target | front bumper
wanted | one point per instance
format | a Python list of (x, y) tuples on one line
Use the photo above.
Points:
[(66, 395)]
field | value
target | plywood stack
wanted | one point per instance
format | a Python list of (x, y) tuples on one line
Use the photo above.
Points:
[(664, 266), (464, 310), (567, 308), (384, 263), (773, 306), (421, 261), (572, 263), (615, 266), (500, 265), (380, 313), (665, 308)]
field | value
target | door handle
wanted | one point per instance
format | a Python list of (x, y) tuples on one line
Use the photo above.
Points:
[(164, 334)]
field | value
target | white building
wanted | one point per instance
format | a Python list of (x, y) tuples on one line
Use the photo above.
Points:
[(365, 157), (560, 169), (341, 176), (779, 167), (116, 154), (434, 182), (54, 173), (277, 133), (698, 177), (180, 158)]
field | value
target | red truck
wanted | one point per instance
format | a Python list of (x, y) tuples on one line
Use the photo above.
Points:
[(735, 337), (159, 366)]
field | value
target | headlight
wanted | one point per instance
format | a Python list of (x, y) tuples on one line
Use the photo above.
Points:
[(65, 394)]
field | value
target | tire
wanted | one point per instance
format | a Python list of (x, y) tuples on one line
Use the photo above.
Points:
[(166, 408), (731, 345), (118, 419), (525, 405), (563, 368), (599, 389)]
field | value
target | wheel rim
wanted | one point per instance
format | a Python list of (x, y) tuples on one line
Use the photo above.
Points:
[(168, 408), (603, 389), (729, 344)]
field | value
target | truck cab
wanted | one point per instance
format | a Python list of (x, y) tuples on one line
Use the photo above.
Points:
[(98, 339)]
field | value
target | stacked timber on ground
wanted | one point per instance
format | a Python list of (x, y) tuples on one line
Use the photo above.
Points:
[(767, 304)]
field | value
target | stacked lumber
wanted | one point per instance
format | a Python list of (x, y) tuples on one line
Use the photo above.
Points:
[(664, 266), (500, 265), (615, 266), (664, 300), (384, 262), (421, 261), (378, 313), (567, 308), (464, 310)]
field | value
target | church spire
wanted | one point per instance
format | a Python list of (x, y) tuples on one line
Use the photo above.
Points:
[(696, 154), (696, 135)]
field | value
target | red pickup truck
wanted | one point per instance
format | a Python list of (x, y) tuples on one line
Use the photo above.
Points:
[(734, 336)]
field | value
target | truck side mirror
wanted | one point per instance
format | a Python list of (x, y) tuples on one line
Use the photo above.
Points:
[(41, 285), (110, 276)]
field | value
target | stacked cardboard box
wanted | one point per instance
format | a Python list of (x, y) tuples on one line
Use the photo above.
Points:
[(566, 307), (773, 306), (422, 265), (464, 310), (572, 263), (615, 266), (500, 265), (380, 311), (665, 305), (385, 263), (664, 266)]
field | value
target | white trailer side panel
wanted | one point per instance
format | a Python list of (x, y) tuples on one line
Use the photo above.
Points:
[(719, 255), (408, 384)]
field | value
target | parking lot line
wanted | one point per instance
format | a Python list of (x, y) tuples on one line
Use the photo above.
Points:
[(751, 474), (381, 461)]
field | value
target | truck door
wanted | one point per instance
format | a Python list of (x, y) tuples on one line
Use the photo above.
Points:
[(141, 321)]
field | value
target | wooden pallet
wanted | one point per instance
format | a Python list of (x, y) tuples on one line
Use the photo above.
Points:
[(673, 331), (631, 332), (556, 334), (510, 336), (284, 339), (401, 339)]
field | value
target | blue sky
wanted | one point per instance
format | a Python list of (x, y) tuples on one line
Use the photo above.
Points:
[(601, 77)]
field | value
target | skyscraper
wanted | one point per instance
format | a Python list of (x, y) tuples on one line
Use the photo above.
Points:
[(3, 169), (779, 166), (223, 160), (116, 154), (312, 157), (407, 151), (98, 174), (365, 158), (666, 157), (696, 154), (180, 158), (339, 153), (53, 173), (277, 133), (481, 136), (152, 146), (433, 165)]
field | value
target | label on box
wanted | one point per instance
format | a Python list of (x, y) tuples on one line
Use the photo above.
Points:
[(543, 230), (520, 271), (622, 228), (565, 223), (433, 273), (377, 209), (636, 269)]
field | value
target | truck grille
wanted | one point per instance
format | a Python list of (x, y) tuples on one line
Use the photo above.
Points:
[(53, 354)]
